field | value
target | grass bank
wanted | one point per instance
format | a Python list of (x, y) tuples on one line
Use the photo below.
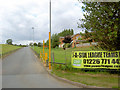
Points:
[(6, 49), (100, 79), (89, 77), (60, 55)]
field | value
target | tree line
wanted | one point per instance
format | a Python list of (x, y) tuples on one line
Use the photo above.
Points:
[(9, 42), (55, 37)]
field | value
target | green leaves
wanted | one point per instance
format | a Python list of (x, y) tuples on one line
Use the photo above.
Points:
[(55, 37), (102, 20), (111, 14), (9, 41), (115, 26)]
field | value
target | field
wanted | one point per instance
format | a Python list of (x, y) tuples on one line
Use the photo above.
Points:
[(94, 78), (5, 49), (60, 55)]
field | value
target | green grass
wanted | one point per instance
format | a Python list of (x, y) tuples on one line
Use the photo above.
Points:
[(94, 78), (100, 80), (7, 48), (60, 55)]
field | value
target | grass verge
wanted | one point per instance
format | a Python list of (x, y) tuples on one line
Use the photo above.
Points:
[(93, 78), (7, 49), (89, 77)]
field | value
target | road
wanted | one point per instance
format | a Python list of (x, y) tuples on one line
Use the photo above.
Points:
[(23, 70)]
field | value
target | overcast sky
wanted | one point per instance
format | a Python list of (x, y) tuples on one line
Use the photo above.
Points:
[(17, 17)]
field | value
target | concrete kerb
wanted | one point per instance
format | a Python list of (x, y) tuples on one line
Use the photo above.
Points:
[(63, 79)]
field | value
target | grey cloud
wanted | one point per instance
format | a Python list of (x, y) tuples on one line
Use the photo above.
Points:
[(18, 20)]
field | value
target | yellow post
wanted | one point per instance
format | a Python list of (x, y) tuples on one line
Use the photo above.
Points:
[(49, 51), (43, 51), (46, 57)]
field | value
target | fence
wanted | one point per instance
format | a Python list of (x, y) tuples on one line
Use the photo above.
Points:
[(86, 44), (54, 59), (64, 58)]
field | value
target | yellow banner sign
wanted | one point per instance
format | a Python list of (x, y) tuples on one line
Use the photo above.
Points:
[(96, 59)]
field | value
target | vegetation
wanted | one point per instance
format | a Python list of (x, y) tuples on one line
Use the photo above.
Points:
[(55, 37), (95, 77), (47, 43), (67, 40), (63, 56), (68, 45), (39, 44), (101, 21), (8, 48), (9, 41), (31, 44), (20, 45), (101, 25), (35, 44), (55, 40), (100, 79), (58, 58), (66, 32)]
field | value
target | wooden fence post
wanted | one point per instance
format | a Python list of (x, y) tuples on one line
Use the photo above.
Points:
[(43, 51), (40, 55), (46, 57), (53, 58)]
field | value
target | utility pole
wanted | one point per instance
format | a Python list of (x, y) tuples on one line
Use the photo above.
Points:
[(33, 37)]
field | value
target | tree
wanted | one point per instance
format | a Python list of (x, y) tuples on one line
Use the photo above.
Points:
[(66, 32), (31, 44), (67, 39), (55, 41), (81, 33), (9, 41), (55, 37), (72, 32), (87, 34), (15, 44), (101, 19), (47, 43), (39, 44), (35, 44)]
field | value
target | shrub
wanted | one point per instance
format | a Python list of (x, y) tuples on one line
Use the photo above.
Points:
[(68, 45)]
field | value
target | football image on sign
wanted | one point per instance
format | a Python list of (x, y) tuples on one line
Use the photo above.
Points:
[(77, 62)]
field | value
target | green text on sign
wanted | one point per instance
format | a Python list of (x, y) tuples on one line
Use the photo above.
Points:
[(96, 59)]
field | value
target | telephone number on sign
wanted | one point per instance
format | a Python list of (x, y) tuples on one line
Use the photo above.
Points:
[(102, 61)]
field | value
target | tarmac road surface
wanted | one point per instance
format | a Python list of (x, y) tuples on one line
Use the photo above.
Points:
[(22, 70)]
